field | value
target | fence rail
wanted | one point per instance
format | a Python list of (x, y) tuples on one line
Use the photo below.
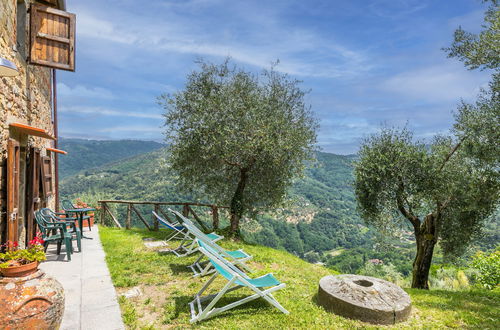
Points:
[(157, 206)]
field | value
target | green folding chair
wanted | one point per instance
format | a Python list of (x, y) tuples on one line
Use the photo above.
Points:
[(51, 217), (236, 279), (54, 232)]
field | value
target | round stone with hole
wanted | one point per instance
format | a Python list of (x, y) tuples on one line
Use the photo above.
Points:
[(364, 298)]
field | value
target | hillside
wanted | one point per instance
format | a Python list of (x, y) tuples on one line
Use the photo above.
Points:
[(320, 224), (320, 217), (167, 287), (87, 154)]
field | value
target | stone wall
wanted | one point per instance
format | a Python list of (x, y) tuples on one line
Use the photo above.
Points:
[(25, 98)]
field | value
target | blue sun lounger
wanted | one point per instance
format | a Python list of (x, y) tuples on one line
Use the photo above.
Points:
[(180, 232), (236, 279), (199, 268)]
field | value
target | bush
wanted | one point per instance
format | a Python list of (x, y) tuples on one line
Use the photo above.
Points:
[(488, 266), (449, 277), (387, 272)]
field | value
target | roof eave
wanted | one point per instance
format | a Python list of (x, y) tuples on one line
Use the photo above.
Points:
[(61, 4)]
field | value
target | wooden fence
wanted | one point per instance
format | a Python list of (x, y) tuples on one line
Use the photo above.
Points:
[(157, 207)]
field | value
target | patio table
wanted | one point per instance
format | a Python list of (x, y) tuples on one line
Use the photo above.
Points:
[(79, 215)]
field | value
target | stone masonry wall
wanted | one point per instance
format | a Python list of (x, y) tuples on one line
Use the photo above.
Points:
[(25, 98)]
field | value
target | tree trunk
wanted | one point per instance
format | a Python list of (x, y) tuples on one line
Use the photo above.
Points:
[(426, 237), (236, 207), (215, 217)]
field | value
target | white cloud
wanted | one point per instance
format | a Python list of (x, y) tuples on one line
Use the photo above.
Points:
[(80, 91), (444, 83), (109, 112), (396, 9), (301, 52)]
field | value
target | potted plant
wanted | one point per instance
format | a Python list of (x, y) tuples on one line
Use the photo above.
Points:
[(79, 204), (22, 262)]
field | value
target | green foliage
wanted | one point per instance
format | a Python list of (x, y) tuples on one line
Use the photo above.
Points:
[(86, 154), (488, 266), (312, 257), (445, 191), (387, 272), (449, 277), (479, 51), (238, 138), (129, 313), (320, 215), (17, 257)]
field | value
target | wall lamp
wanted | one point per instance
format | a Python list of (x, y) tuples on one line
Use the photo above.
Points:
[(7, 68)]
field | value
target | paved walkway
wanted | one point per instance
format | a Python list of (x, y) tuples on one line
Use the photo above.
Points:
[(91, 301)]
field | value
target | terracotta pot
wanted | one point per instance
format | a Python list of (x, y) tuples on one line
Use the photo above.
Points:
[(35, 301), (19, 271)]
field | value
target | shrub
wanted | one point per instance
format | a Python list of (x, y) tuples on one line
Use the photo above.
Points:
[(488, 266)]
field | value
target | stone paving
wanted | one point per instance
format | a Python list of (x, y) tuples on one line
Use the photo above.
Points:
[(91, 301)]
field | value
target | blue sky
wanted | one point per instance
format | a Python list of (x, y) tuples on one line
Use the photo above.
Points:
[(366, 62)]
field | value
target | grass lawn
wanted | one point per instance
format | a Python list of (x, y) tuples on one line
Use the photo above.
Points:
[(167, 287)]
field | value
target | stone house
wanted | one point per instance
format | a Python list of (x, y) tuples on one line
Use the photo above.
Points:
[(36, 38)]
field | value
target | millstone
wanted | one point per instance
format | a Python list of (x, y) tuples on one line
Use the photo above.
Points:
[(364, 298)]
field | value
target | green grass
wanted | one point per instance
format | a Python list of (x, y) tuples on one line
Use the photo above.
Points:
[(168, 286)]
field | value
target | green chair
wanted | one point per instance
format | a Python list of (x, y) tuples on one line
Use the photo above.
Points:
[(54, 232), (51, 217), (68, 205)]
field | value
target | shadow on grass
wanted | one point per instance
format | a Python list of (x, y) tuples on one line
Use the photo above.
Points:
[(250, 308), (180, 269), (482, 306), (314, 299)]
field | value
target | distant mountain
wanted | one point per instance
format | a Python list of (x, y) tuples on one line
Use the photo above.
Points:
[(321, 215), (87, 154), (320, 223)]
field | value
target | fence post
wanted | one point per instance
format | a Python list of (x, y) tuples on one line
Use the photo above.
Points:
[(129, 216), (185, 210), (155, 219), (103, 213), (215, 217)]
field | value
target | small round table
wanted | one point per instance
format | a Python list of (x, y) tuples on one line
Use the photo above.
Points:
[(79, 215)]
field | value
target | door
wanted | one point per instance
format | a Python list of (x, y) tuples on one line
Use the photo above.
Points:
[(13, 169), (32, 192)]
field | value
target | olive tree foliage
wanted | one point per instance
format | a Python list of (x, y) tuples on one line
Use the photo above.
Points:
[(239, 138), (444, 190)]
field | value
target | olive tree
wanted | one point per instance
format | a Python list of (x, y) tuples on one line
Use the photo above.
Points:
[(444, 190), (237, 137)]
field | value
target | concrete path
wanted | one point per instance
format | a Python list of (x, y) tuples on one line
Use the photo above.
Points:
[(91, 301)]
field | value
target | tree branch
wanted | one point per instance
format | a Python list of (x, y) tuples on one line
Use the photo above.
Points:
[(239, 165), (452, 152), (415, 221), (231, 163)]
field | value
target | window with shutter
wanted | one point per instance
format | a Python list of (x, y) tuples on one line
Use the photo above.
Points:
[(47, 176), (52, 37)]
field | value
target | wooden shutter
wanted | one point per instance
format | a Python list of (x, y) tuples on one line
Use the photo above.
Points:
[(52, 37), (13, 169), (47, 176), (32, 191)]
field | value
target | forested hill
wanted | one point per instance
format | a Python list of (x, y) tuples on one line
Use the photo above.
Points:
[(86, 154), (321, 215), (319, 224)]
